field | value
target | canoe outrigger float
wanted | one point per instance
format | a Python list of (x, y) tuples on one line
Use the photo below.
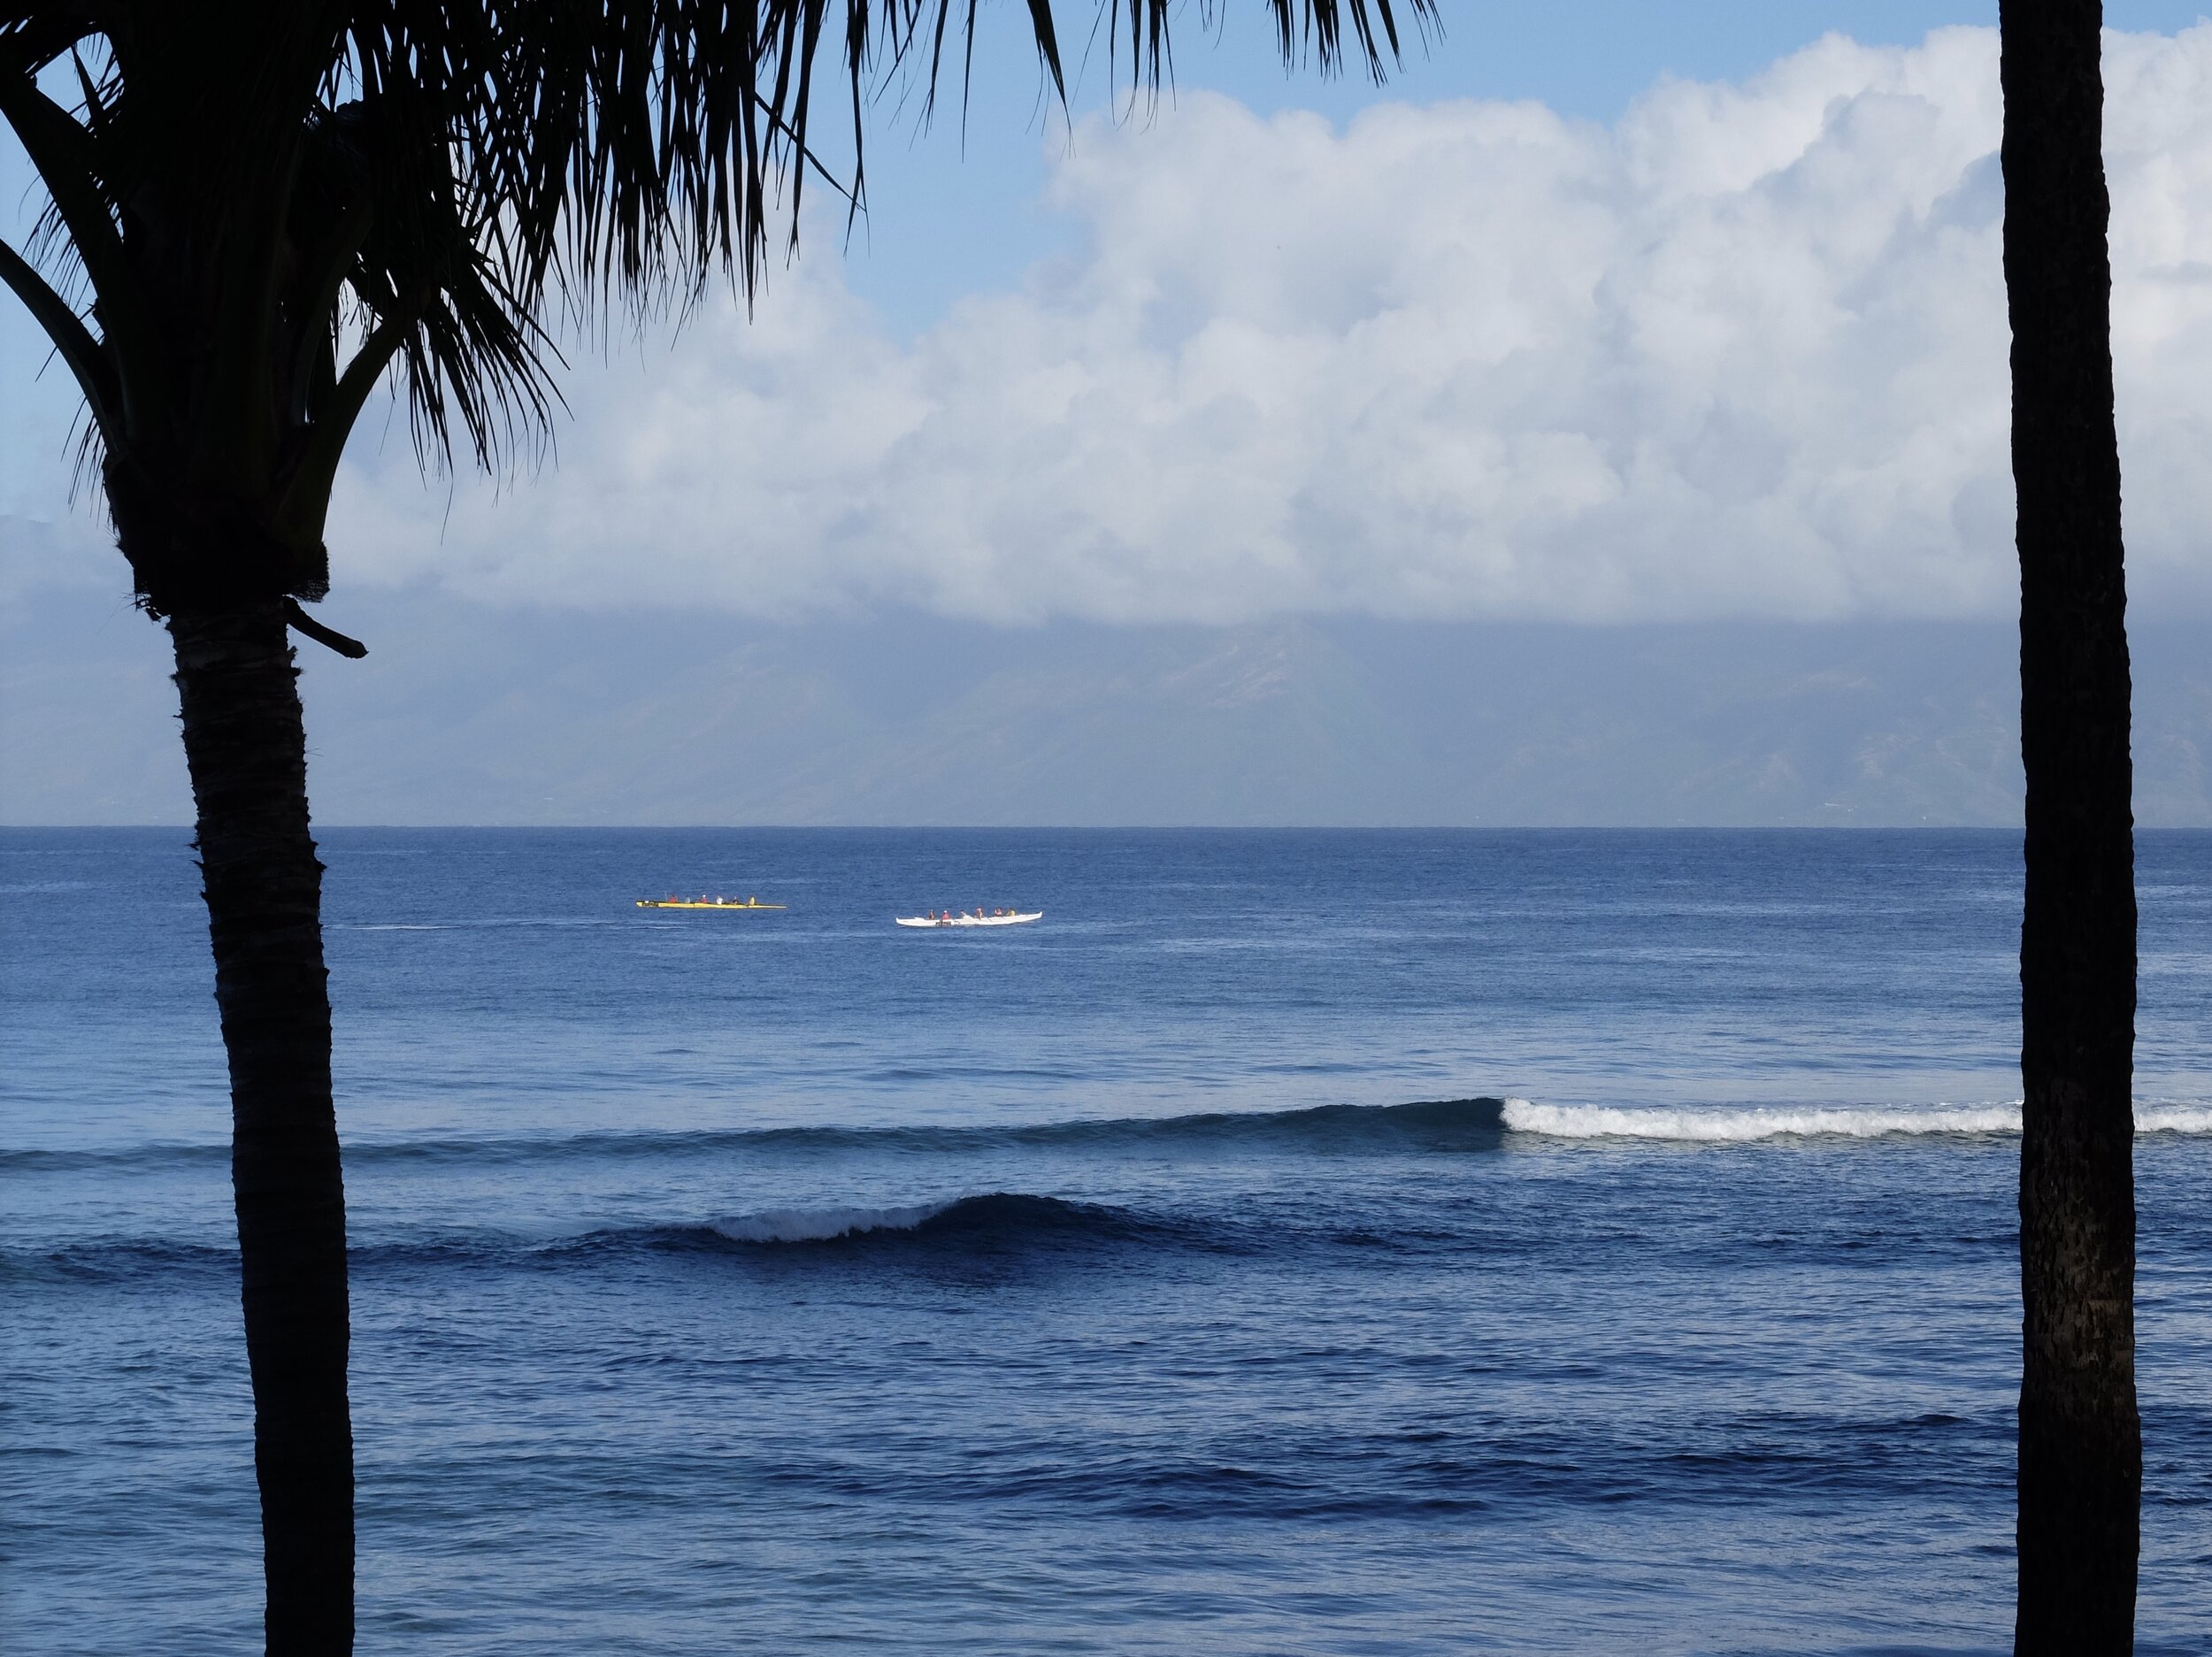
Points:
[(705, 903), (1001, 917)]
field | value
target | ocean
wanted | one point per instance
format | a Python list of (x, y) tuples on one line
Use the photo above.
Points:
[(1295, 1243)]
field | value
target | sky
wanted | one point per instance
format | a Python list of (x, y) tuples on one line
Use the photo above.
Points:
[(1599, 318)]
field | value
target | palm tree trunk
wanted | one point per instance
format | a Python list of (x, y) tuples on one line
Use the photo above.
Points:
[(247, 749), (2081, 1459)]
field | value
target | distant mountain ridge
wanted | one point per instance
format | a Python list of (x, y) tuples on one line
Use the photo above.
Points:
[(468, 715)]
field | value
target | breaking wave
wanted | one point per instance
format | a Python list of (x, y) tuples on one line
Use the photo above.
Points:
[(1423, 1126), (1720, 1125)]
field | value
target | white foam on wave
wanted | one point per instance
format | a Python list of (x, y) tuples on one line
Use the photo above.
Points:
[(2173, 1118), (818, 1226), (1723, 1125)]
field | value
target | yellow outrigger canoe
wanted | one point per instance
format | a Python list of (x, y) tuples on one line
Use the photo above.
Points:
[(705, 903)]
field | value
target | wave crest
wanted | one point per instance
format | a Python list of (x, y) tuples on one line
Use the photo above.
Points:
[(1437, 1125), (995, 1222), (1716, 1124), (1421, 1127)]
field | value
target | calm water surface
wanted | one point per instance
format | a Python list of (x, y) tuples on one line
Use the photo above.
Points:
[(1314, 1243)]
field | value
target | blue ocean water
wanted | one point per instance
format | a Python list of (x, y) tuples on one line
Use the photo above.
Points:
[(1314, 1243)]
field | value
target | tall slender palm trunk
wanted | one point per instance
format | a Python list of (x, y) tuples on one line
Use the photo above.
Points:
[(246, 746), (2081, 1459)]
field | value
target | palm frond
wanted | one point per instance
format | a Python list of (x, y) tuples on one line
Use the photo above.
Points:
[(456, 179)]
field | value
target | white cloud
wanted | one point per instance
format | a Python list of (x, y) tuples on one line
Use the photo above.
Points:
[(1741, 354)]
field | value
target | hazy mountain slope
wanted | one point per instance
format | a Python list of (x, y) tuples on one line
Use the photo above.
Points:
[(466, 715)]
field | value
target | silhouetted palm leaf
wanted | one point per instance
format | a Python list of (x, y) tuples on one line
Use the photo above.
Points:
[(424, 183)]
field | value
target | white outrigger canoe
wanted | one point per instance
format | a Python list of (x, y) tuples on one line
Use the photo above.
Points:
[(1010, 918)]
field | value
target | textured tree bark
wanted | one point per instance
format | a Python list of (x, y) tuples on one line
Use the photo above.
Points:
[(246, 746), (2081, 1459)]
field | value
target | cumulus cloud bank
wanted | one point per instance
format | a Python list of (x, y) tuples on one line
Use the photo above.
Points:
[(1741, 353)]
